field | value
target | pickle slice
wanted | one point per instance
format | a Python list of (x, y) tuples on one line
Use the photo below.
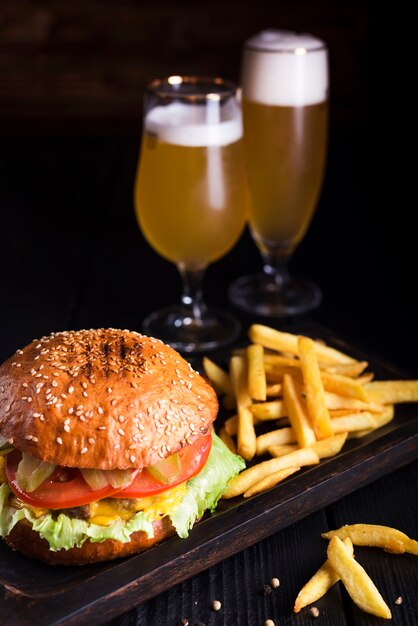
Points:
[(32, 472), (167, 470)]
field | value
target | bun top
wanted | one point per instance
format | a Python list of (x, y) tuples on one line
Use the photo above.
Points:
[(104, 399)]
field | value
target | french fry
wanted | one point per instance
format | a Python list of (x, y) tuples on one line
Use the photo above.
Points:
[(283, 449), (274, 390), (393, 391), (353, 422), (231, 425), (357, 582), (321, 581), (275, 438), (346, 369), (344, 385), (330, 446), (246, 438), (269, 410), (314, 389), (242, 483), (365, 378), (381, 420), (228, 440), (336, 401), (217, 376), (256, 373), (270, 481), (390, 539), (298, 414), (286, 342), (276, 360)]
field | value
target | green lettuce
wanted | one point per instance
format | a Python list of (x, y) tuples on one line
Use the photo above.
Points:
[(205, 489), (202, 493)]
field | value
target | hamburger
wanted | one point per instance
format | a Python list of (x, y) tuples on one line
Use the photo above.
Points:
[(106, 446)]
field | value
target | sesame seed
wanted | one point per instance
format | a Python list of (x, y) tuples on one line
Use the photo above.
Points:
[(121, 418), (314, 611), (36, 415), (132, 458), (113, 403), (83, 450), (85, 394), (23, 385), (70, 410), (116, 446), (399, 600), (109, 390), (101, 428), (121, 432), (100, 410), (216, 605), (59, 441), (29, 437), (67, 428), (91, 440), (70, 389), (84, 385), (54, 383), (269, 622), (82, 418)]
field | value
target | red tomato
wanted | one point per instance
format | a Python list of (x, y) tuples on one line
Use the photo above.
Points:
[(64, 489), (193, 459)]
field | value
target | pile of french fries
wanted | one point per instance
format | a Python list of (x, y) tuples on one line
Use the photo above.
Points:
[(314, 396), (341, 565)]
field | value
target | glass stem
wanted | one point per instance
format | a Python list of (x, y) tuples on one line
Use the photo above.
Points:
[(276, 266), (192, 294)]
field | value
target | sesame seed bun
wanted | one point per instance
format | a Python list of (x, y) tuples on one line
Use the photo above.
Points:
[(103, 399), (27, 541)]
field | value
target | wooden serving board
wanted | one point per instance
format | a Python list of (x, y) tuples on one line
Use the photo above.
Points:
[(37, 594)]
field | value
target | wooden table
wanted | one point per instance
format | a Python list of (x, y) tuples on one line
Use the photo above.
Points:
[(72, 257)]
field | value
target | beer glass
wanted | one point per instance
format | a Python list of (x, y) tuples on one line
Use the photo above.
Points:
[(191, 198), (284, 89)]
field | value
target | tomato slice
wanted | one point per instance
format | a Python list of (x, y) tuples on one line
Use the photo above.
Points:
[(193, 459), (65, 488)]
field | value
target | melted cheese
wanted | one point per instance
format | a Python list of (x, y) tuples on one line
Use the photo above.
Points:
[(105, 512)]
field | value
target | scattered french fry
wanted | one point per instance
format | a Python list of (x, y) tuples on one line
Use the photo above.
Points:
[(314, 389), (393, 391), (337, 401), (228, 440), (381, 419), (275, 438), (385, 537), (357, 582), (246, 444), (286, 342), (344, 385), (330, 446), (242, 483), (274, 390), (346, 369), (270, 481), (218, 377), (283, 449), (298, 414), (256, 374), (321, 581), (353, 422), (269, 410)]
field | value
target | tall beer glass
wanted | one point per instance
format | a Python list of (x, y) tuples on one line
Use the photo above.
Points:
[(191, 198), (285, 89)]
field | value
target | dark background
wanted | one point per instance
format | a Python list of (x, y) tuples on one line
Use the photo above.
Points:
[(71, 82)]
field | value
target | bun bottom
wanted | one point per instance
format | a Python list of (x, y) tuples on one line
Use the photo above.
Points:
[(27, 541)]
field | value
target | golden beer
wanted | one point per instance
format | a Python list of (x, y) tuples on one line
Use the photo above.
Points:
[(190, 199), (285, 149)]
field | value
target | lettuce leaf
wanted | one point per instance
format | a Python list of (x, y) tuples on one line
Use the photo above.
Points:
[(67, 532), (205, 489), (202, 493)]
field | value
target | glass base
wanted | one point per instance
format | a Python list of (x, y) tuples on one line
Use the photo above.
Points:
[(260, 295), (175, 326)]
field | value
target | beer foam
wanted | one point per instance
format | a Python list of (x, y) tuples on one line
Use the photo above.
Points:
[(193, 125), (284, 68)]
